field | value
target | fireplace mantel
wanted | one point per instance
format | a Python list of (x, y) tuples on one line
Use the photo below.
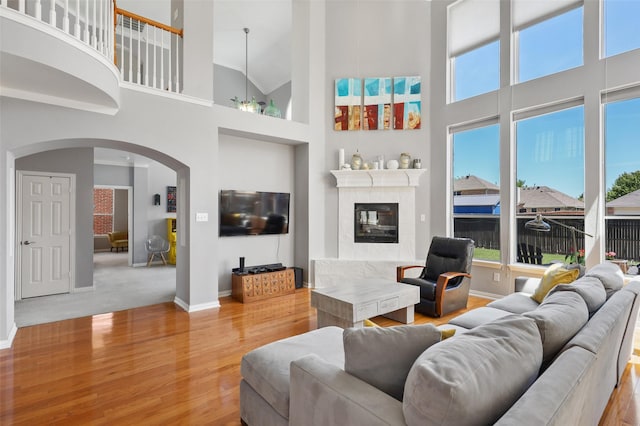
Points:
[(377, 178)]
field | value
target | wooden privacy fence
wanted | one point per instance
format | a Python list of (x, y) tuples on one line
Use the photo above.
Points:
[(622, 235)]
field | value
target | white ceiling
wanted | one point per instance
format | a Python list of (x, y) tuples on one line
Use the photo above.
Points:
[(269, 23)]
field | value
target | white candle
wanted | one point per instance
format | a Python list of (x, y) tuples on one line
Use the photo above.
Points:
[(341, 158)]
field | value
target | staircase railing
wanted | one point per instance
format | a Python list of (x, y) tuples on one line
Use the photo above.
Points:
[(145, 51), (148, 52)]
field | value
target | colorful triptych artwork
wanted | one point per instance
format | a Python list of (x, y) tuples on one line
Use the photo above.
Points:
[(348, 113), (377, 103)]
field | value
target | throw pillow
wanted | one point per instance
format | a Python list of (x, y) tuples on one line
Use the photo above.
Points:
[(554, 275), (475, 377), (369, 323), (448, 333), (383, 356)]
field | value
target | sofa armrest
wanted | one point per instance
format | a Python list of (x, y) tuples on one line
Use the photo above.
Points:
[(526, 284), (323, 394)]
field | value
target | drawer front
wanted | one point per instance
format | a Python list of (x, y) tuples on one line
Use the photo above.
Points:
[(366, 311), (390, 304)]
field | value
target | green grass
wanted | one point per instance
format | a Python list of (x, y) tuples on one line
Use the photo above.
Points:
[(494, 255)]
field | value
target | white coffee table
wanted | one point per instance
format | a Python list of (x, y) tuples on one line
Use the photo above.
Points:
[(350, 304)]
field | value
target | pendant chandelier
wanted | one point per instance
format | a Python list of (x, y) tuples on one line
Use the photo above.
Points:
[(246, 105)]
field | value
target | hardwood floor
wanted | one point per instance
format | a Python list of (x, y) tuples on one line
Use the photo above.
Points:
[(160, 365)]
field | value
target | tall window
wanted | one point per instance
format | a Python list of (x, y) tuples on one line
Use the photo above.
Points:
[(476, 72), (622, 174), (621, 18), (550, 182), (473, 47), (548, 46), (102, 211), (476, 189)]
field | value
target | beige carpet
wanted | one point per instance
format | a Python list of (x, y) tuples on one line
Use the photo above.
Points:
[(117, 286)]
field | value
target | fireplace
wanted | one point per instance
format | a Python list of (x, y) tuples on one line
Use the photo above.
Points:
[(375, 223)]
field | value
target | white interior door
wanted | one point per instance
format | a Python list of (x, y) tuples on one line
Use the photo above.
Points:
[(45, 235)]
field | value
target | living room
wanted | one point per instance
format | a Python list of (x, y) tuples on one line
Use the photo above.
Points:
[(332, 40)]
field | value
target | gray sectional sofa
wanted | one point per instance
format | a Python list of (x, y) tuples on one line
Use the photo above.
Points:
[(512, 362)]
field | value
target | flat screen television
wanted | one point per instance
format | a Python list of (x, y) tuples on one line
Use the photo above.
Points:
[(253, 213)]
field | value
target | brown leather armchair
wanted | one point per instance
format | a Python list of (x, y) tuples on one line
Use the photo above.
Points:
[(445, 280)]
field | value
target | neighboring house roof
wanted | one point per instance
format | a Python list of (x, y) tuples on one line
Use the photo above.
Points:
[(473, 183), (631, 199), (545, 197), (477, 200)]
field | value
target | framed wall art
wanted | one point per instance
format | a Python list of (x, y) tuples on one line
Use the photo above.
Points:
[(348, 100), (406, 103), (171, 199), (377, 104)]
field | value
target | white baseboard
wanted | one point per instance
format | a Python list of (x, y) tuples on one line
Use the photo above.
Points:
[(83, 289), (224, 293), (137, 265), (195, 308), (6, 344)]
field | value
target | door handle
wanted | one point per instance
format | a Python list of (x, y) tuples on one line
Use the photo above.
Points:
[(26, 243)]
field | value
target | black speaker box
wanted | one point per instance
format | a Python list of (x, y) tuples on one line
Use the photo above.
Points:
[(297, 272)]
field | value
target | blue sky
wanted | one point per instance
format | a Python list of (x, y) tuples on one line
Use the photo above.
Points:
[(550, 148)]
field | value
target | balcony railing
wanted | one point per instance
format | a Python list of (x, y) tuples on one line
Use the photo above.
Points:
[(90, 21), (146, 52)]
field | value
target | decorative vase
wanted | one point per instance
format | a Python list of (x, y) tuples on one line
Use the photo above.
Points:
[(405, 160), (356, 161), (392, 164), (272, 111), (417, 164)]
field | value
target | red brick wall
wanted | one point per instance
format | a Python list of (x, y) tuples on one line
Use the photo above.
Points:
[(102, 211)]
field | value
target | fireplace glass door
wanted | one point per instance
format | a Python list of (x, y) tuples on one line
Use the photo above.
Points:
[(376, 223)]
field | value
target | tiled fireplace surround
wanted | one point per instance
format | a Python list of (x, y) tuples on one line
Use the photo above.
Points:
[(370, 260)]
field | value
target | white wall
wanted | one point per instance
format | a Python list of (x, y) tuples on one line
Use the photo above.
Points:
[(160, 176), (378, 39), (253, 165)]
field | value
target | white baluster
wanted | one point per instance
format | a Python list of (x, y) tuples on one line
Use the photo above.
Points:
[(162, 60), (3, 3), (76, 27), (169, 81), (86, 25), (21, 6), (146, 55), (154, 57), (52, 13), (38, 10), (178, 38), (94, 41), (130, 51), (122, 45), (139, 54), (101, 27), (65, 17)]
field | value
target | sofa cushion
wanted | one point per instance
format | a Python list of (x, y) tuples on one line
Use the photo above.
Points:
[(382, 356), (516, 303), (589, 288), (266, 369), (609, 274), (554, 275), (475, 377), (478, 316), (559, 317)]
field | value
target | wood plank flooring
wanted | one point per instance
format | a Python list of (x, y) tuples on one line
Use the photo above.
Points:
[(160, 365)]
